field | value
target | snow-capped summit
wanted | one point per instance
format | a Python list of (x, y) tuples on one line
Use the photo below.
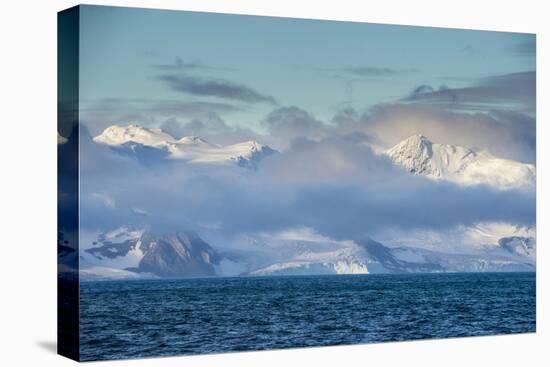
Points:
[(118, 135), (192, 140), (418, 155), (191, 149)]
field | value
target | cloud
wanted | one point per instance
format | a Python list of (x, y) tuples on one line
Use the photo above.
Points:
[(104, 199), (374, 71), (209, 124), (327, 176), (337, 187), (211, 127), (286, 123), (180, 65), (332, 160), (510, 91), (495, 113), (189, 108), (140, 212), (345, 116), (350, 210), (220, 88), (505, 134), (421, 90), (99, 114)]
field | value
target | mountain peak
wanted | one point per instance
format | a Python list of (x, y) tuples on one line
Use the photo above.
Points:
[(192, 149), (192, 139), (421, 138), (179, 254), (415, 141), (414, 154), (418, 155), (118, 135), (252, 145)]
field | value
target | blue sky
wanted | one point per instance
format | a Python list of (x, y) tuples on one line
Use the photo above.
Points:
[(264, 63)]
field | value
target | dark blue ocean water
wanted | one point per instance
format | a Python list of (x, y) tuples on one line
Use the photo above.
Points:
[(130, 319)]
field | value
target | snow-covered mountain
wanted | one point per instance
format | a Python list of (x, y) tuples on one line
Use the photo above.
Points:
[(129, 252), (347, 257), (457, 239), (312, 257), (370, 257), (118, 135), (517, 245), (154, 143), (418, 155), (303, 252), (485, 246)]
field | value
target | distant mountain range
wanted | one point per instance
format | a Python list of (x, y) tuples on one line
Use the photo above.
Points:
[(369, 256), (151, 145), (129, 252), (416, 154)]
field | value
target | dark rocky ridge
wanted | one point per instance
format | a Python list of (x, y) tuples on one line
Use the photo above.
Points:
[(384, 255), (183, 254)]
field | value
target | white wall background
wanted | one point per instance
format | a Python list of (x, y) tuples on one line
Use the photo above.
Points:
[(28, 182)]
